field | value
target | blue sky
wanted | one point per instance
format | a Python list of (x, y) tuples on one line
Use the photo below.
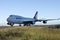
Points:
[(27, 8)]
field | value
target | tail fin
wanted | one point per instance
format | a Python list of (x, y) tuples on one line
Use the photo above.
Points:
[(35, 17)]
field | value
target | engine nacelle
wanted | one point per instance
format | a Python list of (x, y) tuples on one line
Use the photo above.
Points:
[(44, 22)]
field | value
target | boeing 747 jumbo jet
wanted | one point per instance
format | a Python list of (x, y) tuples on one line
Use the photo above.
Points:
[(15, 19)]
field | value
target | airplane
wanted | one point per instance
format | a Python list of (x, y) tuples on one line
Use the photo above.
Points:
[(15, 19)]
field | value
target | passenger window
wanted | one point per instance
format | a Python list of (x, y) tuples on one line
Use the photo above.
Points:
[(18, 18)]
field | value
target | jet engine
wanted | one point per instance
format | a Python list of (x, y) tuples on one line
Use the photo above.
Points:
[(44, 22)]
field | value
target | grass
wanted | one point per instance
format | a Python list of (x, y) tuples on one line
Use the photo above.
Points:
[(29, 33)]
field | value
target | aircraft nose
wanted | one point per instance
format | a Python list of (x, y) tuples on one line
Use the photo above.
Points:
[(8, 19)]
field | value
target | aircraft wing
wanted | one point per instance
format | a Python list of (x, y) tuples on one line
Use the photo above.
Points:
[(45, 20), (48, 19)]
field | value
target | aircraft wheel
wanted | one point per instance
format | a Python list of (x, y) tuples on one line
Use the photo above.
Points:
[(25, 24), (11, 24), (29, 24), (19, 24)]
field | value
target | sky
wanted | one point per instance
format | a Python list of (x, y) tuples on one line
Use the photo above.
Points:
[(47, 9)]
